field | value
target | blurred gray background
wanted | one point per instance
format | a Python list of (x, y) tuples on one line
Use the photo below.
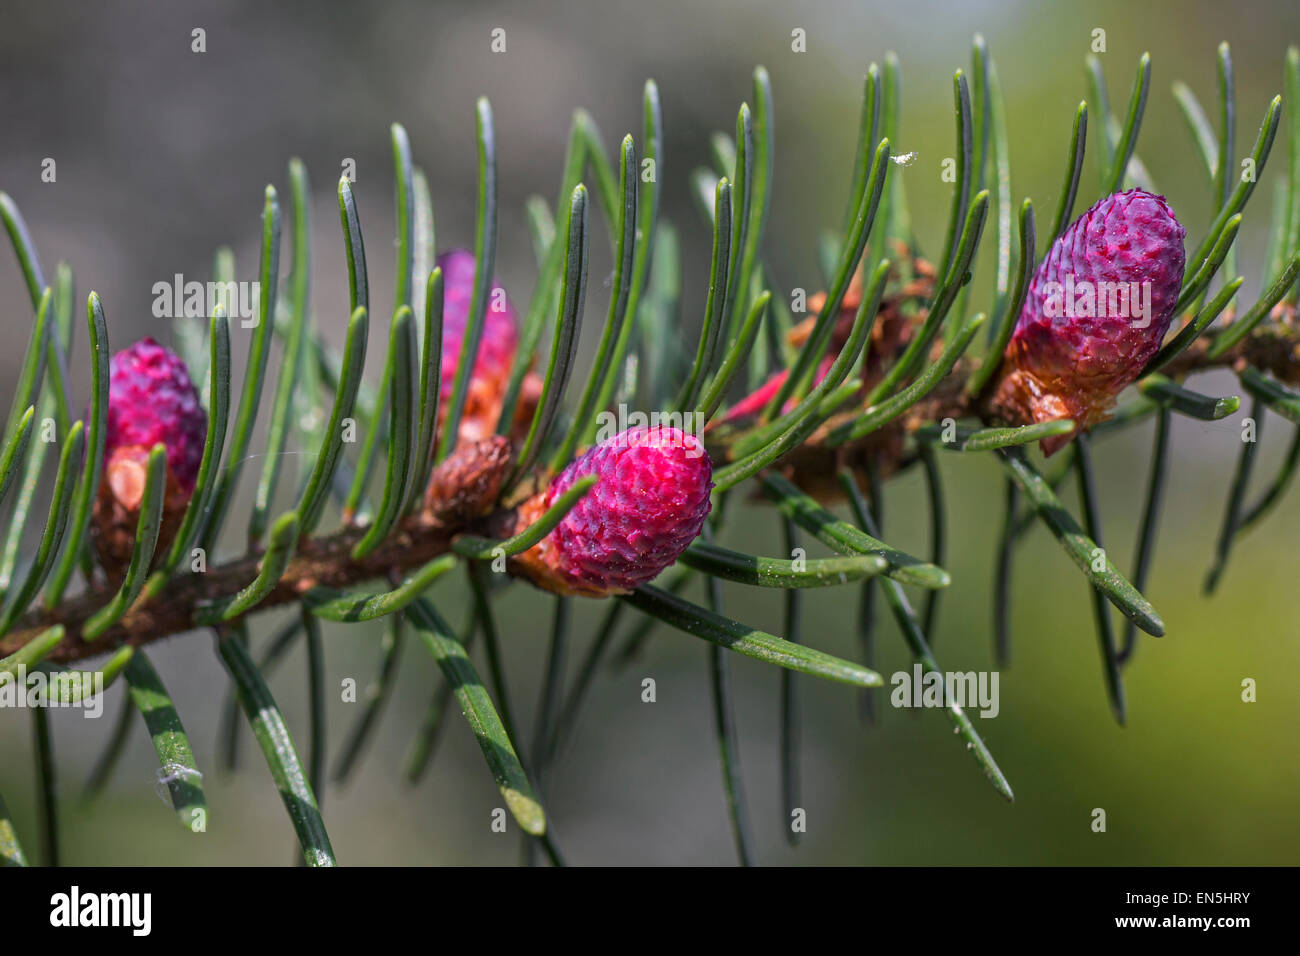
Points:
[(162, 155)]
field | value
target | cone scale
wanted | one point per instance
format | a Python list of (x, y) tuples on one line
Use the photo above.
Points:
[(1096, 311), (151, 399), (649, 504)]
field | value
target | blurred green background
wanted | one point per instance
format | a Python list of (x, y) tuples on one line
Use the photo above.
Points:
[(162, 155)]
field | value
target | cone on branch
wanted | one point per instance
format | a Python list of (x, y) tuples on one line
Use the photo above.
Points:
[(1097, 310), (151, 399), (496, 352), (648, 506)]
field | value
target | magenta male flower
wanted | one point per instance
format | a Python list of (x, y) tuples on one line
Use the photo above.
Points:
[(648, 505), (150, 400), (1096, 312)]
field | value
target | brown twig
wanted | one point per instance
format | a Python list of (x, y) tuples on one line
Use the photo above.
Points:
[(326, 561), (321, 561)]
